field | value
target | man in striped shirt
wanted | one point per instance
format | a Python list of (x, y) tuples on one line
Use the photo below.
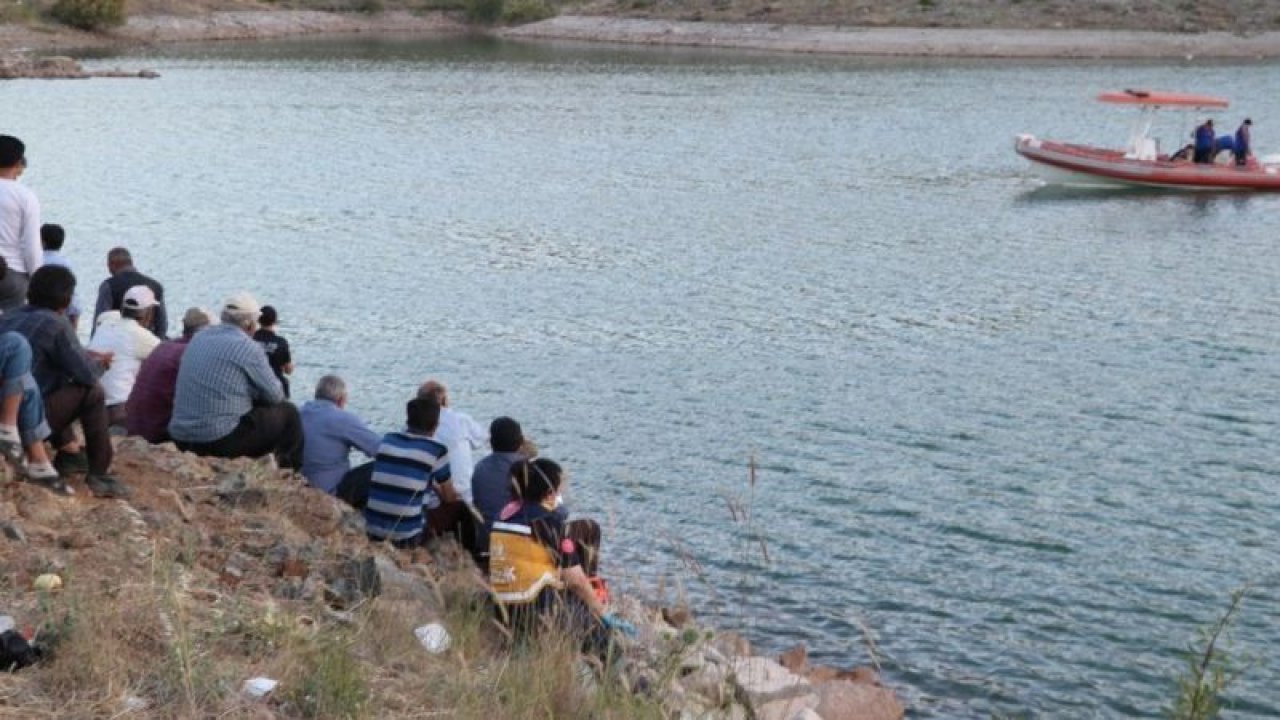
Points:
[(227, 402), (410, 478)]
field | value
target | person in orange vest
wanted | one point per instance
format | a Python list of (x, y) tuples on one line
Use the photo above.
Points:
[(540, 567)]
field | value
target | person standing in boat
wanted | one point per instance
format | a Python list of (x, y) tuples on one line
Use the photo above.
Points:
[(1243, 142), (1204, 142)]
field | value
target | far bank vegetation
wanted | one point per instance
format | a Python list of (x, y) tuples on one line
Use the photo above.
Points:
[(1236, 16), (102, 15)]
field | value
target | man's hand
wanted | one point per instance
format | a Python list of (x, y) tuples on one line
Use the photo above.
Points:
[(104, 358)]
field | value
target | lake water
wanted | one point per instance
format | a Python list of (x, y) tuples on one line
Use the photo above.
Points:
[(1027, 439)]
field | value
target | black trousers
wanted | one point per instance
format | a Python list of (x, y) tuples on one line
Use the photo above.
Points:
[(275, 429)]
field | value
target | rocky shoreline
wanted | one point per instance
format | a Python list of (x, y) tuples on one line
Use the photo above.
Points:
[(242, 564)]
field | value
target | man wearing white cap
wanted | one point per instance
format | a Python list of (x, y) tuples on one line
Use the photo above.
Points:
[(228, 402), (125, 333)]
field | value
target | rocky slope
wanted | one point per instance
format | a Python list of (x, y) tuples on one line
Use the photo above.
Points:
[(217, 573)]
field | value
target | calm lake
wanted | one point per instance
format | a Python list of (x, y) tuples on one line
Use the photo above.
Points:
[(1027, 440)]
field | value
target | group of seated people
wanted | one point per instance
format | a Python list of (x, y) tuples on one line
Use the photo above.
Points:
[(212, 392), (507, 511)]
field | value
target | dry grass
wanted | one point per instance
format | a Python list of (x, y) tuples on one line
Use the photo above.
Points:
[(151, 640)]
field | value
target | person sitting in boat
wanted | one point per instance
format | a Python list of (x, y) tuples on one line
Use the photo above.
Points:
[(1243, 142), (1204, 141), (1183, 155)]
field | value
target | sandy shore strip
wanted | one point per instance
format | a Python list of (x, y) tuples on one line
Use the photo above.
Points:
[(921, 42)]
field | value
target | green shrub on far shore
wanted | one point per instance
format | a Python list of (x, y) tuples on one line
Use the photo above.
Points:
[(89, 14), (484, 12), (527, 11)]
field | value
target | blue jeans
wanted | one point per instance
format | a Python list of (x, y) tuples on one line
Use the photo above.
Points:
[(15, 372)]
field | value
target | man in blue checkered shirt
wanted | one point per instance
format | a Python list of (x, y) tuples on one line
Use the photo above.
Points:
[(227, 401)]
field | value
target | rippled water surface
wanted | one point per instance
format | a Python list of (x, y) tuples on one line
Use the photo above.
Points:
[(1027, 439)]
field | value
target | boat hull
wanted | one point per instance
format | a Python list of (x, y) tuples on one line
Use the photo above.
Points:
[(1084, 166)]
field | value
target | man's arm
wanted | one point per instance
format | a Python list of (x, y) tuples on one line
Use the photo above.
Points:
[(446, 491), (473, 432), (358, 434), (160, 323), (102, 305), (569, 561), (32, 249), (575, 578), (71, 359)]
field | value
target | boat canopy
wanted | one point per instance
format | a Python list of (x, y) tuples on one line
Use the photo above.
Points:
[(1159, 98)]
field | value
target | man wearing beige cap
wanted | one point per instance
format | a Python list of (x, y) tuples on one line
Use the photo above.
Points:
[(227, 402), (150, 404), (124, 333)]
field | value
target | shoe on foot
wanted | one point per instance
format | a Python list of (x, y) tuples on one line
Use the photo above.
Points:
[(107, 486), (71, 463), (46, 477), (10, 443)]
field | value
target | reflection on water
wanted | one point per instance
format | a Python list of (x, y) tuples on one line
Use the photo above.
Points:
[(1026, 438)]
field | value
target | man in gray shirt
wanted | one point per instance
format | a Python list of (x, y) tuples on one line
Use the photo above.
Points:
[(227, 402)]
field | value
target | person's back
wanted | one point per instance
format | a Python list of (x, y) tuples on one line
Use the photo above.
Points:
[(1204, 139), (150, 404), (460, 433), (277, 349), (331, 432), (1243, 142), (410, 477), (131, 344), (52, 239), (122, 333), (226, 402), (491, 479), (20, 246), (123, 275), (214, 387)]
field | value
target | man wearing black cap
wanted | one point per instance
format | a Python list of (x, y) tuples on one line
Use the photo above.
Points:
[(20, 244)]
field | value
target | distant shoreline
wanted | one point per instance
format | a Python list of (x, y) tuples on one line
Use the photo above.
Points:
[(150, 30), (905, 41)]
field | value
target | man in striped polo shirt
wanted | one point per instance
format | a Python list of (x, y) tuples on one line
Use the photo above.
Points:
[(410, 478), (227, 402)]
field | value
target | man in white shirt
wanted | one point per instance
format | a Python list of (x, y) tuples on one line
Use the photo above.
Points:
[(459, 433), (125, 335), (19, 225)]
